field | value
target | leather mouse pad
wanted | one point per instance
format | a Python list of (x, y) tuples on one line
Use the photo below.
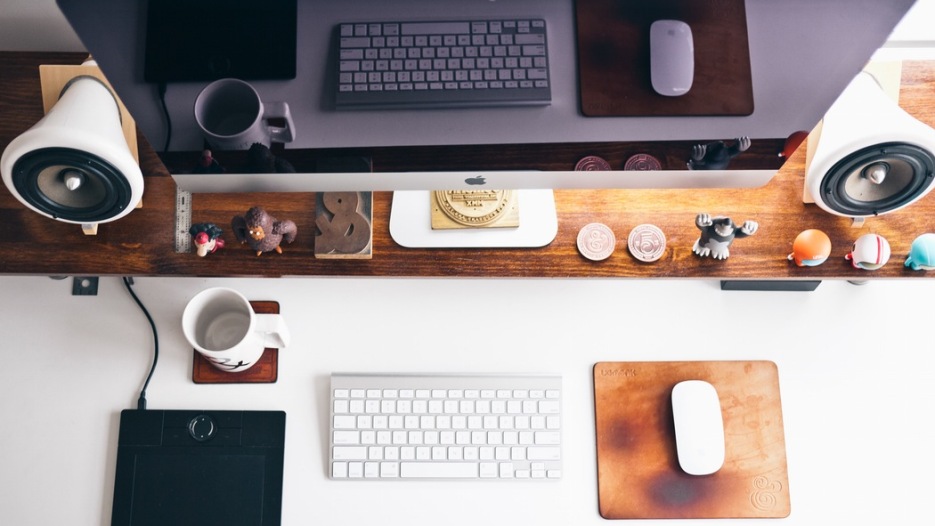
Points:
[(638, 471), (614, 66)]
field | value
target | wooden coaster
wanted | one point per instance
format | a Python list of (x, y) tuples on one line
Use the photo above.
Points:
[(638, 471), (264, 371)]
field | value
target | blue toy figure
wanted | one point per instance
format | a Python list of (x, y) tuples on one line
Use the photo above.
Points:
[(922, 253)]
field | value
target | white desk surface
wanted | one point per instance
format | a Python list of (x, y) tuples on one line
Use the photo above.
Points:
[(856, 367)]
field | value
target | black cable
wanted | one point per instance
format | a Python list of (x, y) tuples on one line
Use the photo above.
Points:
[(141, 402), (165, 112)]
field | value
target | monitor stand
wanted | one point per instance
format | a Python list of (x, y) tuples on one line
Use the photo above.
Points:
[(411, 224)]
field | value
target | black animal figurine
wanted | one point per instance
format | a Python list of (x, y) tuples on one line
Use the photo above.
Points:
[(716, 155), (718, 233)]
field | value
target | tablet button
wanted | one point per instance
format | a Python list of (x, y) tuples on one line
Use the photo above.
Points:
[(202, 428)]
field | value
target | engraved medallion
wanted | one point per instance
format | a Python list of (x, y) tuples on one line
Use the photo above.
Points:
[(476, 208), (642, 161), (592, 163), (596, 241), (646, 243)]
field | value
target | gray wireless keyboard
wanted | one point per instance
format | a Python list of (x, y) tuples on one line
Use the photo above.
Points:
[(442, 64)]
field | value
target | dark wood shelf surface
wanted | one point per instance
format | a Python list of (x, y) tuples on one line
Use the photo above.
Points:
[(142, 243)]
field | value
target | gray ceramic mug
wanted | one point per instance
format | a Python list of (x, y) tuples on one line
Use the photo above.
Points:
[(232, 116)]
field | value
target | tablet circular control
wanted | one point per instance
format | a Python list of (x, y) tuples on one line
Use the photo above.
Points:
[(202, 428)]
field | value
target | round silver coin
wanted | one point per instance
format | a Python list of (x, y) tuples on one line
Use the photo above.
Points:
[(646, 243), (596, 241), (592, 163)]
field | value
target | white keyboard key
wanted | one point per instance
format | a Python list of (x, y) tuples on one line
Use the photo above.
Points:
[(357, 393), (356, 406), (344, 422), (341, 406), (371, 469), (346, 437), (438, 470), (543, 453), (549, 407), (349, 453), (368, 437), (547, 438), (341, 393), (506, 470), (339, 470), (355, 470), (389, 469), (489, 470)]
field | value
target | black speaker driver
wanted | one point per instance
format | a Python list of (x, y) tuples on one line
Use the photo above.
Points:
[(877, 179), (71, 185)]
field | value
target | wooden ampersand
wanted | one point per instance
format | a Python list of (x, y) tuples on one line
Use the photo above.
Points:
[(343, 228)]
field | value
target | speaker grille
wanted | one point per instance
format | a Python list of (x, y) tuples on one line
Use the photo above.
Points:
[(877, 179), (99, 191)]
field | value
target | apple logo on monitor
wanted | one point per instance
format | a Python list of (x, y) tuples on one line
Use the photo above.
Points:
[(476, 180)]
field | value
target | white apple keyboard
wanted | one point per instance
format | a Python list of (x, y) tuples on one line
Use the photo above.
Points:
[(441, 426)]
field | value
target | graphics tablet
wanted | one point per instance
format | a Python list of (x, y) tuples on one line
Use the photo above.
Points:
[(199, 467)]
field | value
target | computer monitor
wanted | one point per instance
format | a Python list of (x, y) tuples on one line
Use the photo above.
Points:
[(801, 53)]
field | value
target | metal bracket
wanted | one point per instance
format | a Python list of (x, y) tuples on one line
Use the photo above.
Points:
[(84, 286)]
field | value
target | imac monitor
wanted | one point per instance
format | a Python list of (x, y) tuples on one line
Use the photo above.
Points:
[(802, 54)]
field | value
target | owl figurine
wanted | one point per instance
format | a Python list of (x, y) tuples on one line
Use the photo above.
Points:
[(261, 231)]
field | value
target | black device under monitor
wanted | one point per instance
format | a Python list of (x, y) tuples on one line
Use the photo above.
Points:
[(184, 467), (213, 39)]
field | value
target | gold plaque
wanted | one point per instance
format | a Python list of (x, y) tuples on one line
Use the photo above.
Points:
[(474, 209)]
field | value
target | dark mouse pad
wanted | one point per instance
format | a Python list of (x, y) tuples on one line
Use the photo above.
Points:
[(638, 471), (614, 66)]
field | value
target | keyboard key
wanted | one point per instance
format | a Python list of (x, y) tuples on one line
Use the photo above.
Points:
[(438, 470)]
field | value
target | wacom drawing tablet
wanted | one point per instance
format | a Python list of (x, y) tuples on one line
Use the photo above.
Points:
[(199, 467)]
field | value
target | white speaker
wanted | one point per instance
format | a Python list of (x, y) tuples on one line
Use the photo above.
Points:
[(74, 165), (871, 156)]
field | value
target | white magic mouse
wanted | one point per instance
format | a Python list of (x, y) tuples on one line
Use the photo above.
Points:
[(671, 57), (699, 427)]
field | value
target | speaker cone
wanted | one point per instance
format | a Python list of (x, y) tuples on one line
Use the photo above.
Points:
[(71, 185), (877, 179)]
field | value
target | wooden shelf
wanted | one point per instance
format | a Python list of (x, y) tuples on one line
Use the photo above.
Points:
[(142, 243)]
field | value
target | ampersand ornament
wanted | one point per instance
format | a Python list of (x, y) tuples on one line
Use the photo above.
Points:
[(344, 226)]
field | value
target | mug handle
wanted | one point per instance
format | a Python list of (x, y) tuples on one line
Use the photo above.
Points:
[(279, 110), (273, 330)]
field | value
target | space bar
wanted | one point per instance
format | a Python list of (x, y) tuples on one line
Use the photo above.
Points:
[(438, 470), (435, 28)]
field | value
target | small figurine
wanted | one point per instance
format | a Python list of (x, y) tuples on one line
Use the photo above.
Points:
[(716, 155), (261, 231), (207, 164), (922, 253), (870, 252), (206, 237), (810, 248), (718, 233), (260, 160)]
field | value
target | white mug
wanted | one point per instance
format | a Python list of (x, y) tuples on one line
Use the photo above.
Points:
[(221, 325), (232, 116)]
